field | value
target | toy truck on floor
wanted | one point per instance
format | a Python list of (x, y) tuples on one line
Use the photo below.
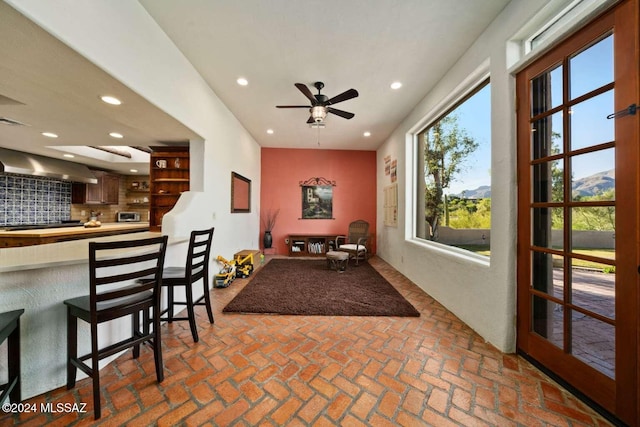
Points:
[(244, 265), (241, 266), (227, 273)]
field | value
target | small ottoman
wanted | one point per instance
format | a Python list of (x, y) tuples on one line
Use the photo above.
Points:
[(337, 260)]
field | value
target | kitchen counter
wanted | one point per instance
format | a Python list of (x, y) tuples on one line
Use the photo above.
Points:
[(62, 253), (38, 279), (12, 239)]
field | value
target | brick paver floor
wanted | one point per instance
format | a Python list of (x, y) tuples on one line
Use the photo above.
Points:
[(323, 371)]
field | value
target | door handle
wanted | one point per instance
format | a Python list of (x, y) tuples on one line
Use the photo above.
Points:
[(629, 111)]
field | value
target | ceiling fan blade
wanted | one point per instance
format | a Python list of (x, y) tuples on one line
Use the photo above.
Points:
[(351, 93), (306, 92), (292, 106), (345, 114), (310, 120)]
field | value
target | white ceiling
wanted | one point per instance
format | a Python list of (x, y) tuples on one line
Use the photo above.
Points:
[(361, 44), (58, 91)]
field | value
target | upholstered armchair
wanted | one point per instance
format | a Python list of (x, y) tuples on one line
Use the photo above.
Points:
[(356, 242)]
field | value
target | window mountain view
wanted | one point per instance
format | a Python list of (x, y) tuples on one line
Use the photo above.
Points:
[(588, 186)]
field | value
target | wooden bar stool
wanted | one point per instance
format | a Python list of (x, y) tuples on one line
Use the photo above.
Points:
[(115, 291), (195, 269), (10, 329)]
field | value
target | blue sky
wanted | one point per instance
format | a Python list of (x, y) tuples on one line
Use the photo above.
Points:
[(589, 70), (475, 118)]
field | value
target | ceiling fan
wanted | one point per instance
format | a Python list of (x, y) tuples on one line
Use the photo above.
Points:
[(320, 104)]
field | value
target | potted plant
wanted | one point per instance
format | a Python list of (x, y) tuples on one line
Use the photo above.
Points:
[(268, 222)]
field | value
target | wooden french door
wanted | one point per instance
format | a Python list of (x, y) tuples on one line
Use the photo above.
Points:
[(578, 206)]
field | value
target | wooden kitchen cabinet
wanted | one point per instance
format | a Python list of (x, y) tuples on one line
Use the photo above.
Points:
[(105, 192), (169, 177)]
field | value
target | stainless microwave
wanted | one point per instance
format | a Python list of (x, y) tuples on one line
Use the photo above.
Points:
[(128, 217)]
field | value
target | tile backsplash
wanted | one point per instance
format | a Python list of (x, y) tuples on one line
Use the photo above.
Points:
[(32, 200)]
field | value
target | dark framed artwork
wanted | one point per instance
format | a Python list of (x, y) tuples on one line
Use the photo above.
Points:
[(240, 193), (317, 198)]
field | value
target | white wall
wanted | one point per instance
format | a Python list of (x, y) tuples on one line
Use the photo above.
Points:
[(480, 293), (121, 38)]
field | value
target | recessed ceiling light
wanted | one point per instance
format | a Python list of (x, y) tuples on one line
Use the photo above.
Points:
[(270, 131), (367, 133), (133, 170), (396, 85), (242, 81), (49, 134), (71, 156), (111, 100), (116, 135)]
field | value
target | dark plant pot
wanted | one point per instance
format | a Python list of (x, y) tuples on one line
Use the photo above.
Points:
[(267, 240)]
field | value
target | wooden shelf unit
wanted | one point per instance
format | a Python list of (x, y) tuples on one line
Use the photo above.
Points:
[(138, 192), (311, 244), (166, 183), (172, 180)]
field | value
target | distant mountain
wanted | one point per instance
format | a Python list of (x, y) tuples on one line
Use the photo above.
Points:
[(587, 186), (482, 192), (594, 184)]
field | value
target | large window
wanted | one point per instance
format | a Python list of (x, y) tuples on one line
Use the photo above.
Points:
[(454, 175)]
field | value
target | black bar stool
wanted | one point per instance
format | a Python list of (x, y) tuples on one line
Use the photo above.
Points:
[(114, 293), (10, 328), (196, 268)]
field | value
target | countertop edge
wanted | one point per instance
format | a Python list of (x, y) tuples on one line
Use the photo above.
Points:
[(67, 231), (63, 253)]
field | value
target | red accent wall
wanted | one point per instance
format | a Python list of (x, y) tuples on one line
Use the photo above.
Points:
[(354, 196)]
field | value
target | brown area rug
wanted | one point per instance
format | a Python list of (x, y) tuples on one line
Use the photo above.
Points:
[(308, 287)]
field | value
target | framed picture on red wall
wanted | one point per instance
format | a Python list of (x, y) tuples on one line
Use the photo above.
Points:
[(317, 198)]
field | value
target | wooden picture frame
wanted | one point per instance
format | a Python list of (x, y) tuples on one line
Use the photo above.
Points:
[(317, 198), (240, 193)]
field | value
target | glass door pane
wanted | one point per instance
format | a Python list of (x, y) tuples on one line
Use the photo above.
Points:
[(584, 212), (578, 211)]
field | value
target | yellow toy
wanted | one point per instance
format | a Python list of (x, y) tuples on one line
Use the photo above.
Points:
[(244, 266), (227, 273), (239, 267)]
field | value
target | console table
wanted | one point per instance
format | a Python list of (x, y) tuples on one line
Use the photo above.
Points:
[(311, 244)]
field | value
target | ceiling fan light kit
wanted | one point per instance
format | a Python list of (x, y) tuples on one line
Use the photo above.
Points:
[(320, 103), (318, 113)]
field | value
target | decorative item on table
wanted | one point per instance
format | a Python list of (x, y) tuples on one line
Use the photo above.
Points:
[(93, 222), (269, 222)]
